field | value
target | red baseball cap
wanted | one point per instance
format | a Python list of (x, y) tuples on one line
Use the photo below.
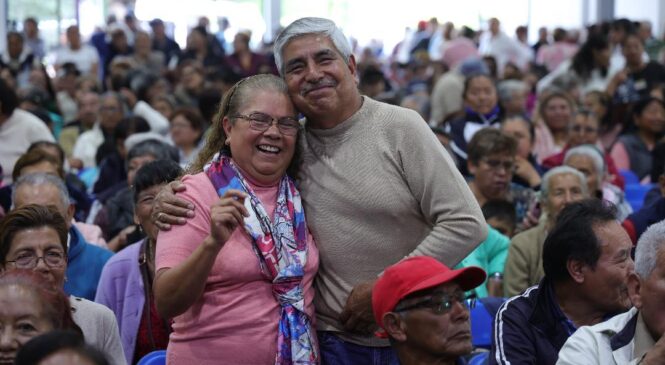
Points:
[(415, 274)]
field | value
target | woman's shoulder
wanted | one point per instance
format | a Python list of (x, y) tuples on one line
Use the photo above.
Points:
[(86, 310), (197, 185)]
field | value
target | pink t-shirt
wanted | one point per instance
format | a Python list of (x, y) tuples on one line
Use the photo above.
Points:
[(235, 321)]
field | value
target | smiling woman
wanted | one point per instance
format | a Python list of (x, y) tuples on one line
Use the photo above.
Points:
[(235, 290)]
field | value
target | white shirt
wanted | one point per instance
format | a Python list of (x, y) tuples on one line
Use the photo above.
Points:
[(17, 134), (83, 57), (87, 144)]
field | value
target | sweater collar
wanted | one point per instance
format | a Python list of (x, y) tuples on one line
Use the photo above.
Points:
[(341, 132)]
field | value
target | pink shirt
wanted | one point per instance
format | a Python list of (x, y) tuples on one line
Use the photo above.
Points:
[(235, 321)]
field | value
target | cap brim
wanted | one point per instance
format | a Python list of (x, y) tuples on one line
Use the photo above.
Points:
[(467, 278)]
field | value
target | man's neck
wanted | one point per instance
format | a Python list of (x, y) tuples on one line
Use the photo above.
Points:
[(328, 121), (575, 307)]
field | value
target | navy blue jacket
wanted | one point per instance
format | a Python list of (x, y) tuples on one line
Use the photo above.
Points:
[(526, 329)]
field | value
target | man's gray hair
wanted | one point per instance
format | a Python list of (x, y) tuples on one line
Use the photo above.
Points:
[(507, 88), (561, 170), (591, 152), (648, 247), (41, 178), (311, 25)]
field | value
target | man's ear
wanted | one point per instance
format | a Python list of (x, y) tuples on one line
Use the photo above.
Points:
[(395, 326), (353, 68), (71, 209), (635, 289), (576, 270)]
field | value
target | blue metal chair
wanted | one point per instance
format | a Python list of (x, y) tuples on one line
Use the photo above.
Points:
[(635, 194), (481, 326), (154, 358), (629, 177)]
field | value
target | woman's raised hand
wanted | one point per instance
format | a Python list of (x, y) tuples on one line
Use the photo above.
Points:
[(226, 214)]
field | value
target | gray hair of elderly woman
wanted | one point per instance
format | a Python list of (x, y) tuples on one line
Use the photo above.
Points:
[(592, 152), (507, 88), (40, 178), (561, 170), (152, 147), (311, 25), (649, 246)]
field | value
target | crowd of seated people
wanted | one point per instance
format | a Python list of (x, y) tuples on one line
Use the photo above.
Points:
[(311, 201)]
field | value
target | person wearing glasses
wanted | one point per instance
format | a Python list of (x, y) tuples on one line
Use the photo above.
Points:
[(35, 237), (524, 265), (420, 305), (492, 162), (587, 263), (237, 277)]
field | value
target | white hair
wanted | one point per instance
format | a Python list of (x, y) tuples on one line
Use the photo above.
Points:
[(594, 154), (311, 25), (648, 247), (507, 88), (561, 170), (40, 178)]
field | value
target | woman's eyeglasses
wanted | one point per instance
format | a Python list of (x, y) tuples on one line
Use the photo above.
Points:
[(261, 122), (52, 259)]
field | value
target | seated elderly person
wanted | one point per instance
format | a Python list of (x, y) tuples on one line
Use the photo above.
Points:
[(512, 97), (34, 237), (524, 266), (420, 305), (84, 261), (586, 258), (491, 162), (588, 160), (637, 336)]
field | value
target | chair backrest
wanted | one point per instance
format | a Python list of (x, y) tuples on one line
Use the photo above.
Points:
[(629, 176), (635, 194), (154, 358)]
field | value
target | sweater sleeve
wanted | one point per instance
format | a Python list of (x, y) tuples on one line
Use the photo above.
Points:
[(112, 346), (444, 197), (158, 123)]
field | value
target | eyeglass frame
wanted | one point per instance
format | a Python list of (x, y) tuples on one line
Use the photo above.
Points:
[(35, 261), (430, 302), (273, 120)]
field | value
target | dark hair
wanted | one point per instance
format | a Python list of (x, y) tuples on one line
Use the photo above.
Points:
[(130, 125), (554, 95), (40, 144), (467, 82), (31, 216), (53, 299), (658, 166), (209, 99), (490, 141), (155, 173), (30, 19), (525, 120), (152, 147), (43, 346), (32, 158), (573, 237), (194, 118), (631, 35), (642, 104), (15, 34), (500, 209), (583, 61), (623, 24), (559, 34), (8, 99)]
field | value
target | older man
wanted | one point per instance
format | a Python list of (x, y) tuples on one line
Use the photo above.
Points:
[(524, 266), (420, 305), (84, 261), (586, 258), (634, 337), (377, 187)]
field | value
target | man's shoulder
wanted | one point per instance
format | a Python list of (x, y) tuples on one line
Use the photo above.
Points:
[(522, 303)]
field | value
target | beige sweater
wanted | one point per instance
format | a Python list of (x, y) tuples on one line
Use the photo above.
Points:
[(377, 188)]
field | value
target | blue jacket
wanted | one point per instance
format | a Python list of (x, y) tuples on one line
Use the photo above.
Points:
[(527, 330), (84, 266)]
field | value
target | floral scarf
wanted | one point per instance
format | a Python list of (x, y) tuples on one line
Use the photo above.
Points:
[(281, 247)]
